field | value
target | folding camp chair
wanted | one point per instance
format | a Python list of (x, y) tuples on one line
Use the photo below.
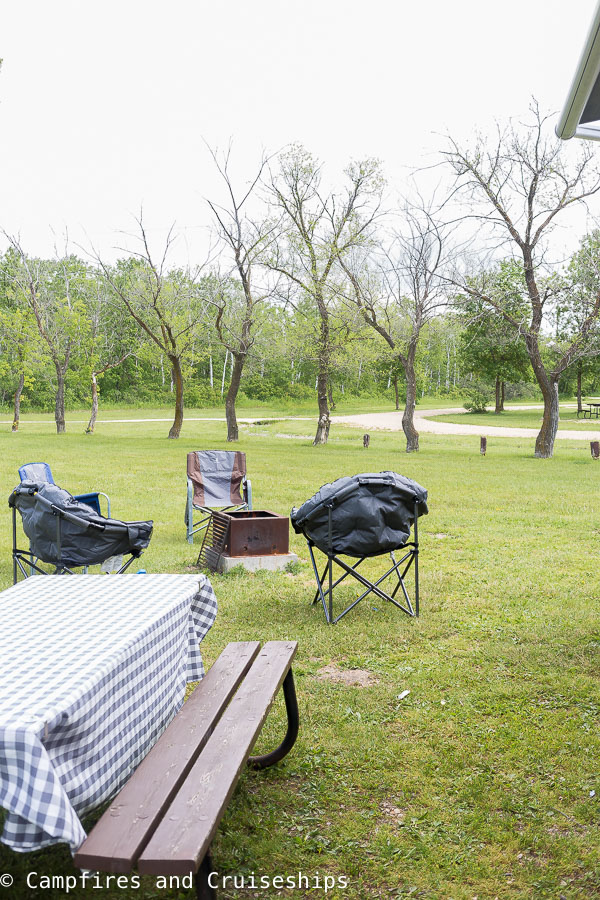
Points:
[(67, 533), (364, 516), (216, 479), (39, 472)]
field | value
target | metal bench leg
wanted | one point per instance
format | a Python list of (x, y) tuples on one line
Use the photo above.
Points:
[(291, 706), (203, 889)]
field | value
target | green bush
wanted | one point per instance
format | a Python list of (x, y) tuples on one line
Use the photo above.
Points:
[(476, 401)]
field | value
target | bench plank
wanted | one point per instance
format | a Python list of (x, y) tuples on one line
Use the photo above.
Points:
[(121, 833), (181, 840)]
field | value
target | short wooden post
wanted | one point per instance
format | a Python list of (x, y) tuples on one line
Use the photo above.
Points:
[(483, 445), (366, 440), (595, 449)]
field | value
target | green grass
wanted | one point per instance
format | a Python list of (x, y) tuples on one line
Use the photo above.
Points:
[(479, 782), (522, 418), (245, 409)]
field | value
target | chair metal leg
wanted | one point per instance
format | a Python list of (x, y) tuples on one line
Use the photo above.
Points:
[(14, 531), (319, 582), (400, 567), (416, 541)]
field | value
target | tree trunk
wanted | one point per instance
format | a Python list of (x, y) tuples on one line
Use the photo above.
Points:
[(330, 396), (94, 413), (396, 392), (178, 380), (579, 403), (17, 406), (499, 407), (324, 423), (502, 396), (544, 443), (59, 406), (234, 386), (410, 432)]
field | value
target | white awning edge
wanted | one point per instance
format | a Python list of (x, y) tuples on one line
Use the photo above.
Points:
[(583, 82), (587, 132)]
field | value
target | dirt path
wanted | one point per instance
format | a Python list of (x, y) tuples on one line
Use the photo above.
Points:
[(392, 421), (388, 421)]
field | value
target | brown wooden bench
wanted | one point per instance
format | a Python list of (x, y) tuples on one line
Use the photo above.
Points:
[(164, 819)]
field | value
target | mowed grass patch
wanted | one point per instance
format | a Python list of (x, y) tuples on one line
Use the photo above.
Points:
[(482, 781), (522, 418)]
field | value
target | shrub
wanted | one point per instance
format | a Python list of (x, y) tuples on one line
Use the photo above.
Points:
[(476, 401)]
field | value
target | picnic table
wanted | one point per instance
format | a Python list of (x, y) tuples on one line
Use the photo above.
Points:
[(92, 670), (590, 408)]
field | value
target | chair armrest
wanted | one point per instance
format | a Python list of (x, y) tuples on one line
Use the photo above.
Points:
[(92, 498), (107, 498), (248, 492), (189, 511)]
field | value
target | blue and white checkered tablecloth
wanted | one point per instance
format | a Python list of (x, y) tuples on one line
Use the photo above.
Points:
[(92, 670)]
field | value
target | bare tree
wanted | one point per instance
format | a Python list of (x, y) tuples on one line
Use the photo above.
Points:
[(401, 292), (517, 188), (319, 231), (246, 241), (164, 303)]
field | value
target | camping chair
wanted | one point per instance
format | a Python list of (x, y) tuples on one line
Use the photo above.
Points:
[(364, 516), (40, 471), (67, 533), (216, 479)]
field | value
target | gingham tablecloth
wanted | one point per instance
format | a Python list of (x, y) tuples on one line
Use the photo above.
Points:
[(92, 670)]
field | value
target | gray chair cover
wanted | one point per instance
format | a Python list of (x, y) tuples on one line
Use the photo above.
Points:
[(86, 538), (371, 514)]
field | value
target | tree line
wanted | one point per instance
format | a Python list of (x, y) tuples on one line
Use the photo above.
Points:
[(309, 290)]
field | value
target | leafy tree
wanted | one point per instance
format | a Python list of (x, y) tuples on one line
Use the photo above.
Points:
[(517, 188), (166, 305), (319, 231), (237, 316), (112, 339), (54, 291), (20, 358), (576, 295), (491, 347), (402, 295)]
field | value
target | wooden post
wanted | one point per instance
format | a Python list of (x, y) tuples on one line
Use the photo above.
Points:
[(483, 445), (366, 439), (595, 449)]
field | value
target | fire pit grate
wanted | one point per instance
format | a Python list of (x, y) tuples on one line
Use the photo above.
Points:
[(214, 541)]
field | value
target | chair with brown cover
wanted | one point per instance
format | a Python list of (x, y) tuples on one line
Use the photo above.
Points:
[(216, 479)]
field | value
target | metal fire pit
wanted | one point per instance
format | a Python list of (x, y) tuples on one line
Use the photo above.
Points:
[(256, 538)]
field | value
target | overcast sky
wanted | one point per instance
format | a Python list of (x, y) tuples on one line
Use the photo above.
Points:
[(106, 106)]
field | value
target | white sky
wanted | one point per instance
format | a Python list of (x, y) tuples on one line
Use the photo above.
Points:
[(104, 106)]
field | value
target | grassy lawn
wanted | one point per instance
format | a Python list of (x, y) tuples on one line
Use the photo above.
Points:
[(245, 409), (484, 781), (522, 418)]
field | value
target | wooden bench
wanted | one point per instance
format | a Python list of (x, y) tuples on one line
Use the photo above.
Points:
[(164, 819)]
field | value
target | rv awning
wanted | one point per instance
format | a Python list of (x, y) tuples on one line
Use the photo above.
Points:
[(580, 116)]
